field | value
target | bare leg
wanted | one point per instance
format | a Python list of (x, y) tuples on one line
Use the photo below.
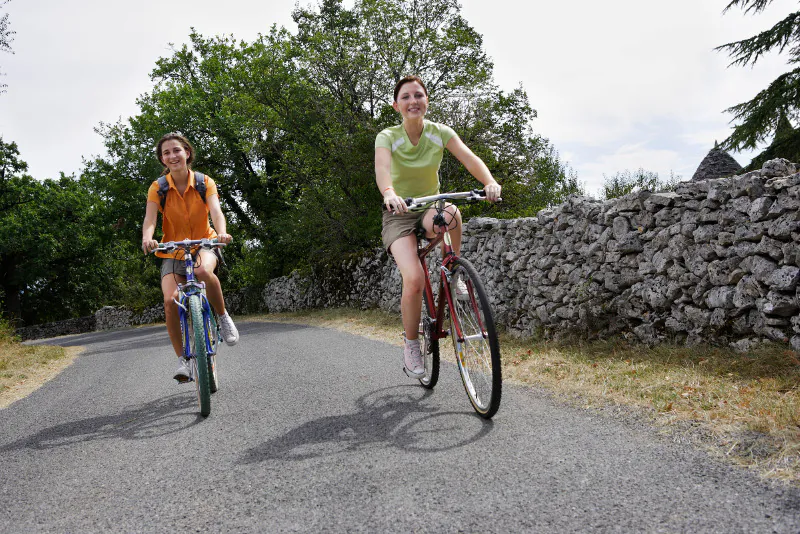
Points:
[(453, 217), (169, 286), (404, 251), (204, 271)]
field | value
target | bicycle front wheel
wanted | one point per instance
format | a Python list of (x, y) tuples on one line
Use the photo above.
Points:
[(429, 348), (212, 335), (201, 375), (475, 339)]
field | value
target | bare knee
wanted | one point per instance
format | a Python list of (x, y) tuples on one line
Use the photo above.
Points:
[(454, 215), (169, 303), (201, 273), (413, 281)]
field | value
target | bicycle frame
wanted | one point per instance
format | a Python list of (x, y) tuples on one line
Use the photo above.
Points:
[(445, 295), (188, 289)]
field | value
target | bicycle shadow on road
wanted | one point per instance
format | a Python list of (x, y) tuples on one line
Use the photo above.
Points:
[(153, 419), (393, 417)]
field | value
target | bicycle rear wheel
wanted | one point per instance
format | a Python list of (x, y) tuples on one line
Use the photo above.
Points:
[(197, 333), (429, 348), (212, 334), (478, 349)]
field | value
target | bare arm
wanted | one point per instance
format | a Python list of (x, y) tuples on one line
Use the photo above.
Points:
[(475, 166), (218, 218), (149, 227), (383, 177)]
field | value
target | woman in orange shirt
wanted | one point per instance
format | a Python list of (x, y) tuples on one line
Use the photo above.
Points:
[(185, 216)]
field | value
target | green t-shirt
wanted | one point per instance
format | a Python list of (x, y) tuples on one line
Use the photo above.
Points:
[(415, 169)]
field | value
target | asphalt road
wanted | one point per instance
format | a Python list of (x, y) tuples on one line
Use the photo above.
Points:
[(315, 430)]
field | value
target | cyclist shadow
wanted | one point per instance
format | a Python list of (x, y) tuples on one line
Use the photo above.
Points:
[(385, 418), (153, 419)]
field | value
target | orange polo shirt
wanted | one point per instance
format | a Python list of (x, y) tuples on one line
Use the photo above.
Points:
[(183, 217)]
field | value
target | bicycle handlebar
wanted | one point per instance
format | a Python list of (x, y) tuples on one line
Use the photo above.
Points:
[(468, 196), (171, 246)]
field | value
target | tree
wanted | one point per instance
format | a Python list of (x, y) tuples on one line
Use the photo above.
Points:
[(286, 125), (777, 106), (626, 182), (10, 164), (6, 36), (58, 255)]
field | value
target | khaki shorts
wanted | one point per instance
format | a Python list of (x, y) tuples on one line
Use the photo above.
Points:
[(400, 225), (178, 267)]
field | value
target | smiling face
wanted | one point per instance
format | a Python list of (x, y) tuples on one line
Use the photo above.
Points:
[(412, 101), (174, 155)]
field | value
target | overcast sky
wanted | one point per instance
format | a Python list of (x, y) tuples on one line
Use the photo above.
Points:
[(618, 84)]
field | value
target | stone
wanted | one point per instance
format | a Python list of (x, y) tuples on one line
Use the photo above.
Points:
[(784, 278), (747, 291), (720, 297), (776, 303), (761, 267), (760, 208), (777, 167), (705, 233), (784, 226)]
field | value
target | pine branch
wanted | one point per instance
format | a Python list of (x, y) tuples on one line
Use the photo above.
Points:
[(748, 5), (748, 51), (760, 115)]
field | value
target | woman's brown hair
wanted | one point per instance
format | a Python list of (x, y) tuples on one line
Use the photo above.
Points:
[(405, 80), (187, 146)]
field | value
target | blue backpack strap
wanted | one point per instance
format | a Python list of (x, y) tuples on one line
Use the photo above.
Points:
[(163, 188), (200, 184)]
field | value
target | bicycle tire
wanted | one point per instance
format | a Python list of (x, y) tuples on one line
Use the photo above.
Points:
[(478, 355), (429, 348), (200, 355), (212, 333)]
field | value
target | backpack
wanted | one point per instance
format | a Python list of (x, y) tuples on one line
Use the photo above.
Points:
[(199, 185)]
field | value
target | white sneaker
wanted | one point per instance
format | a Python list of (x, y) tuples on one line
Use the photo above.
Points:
[(229, 332), (462, 293), (184, 372), (413, 365)]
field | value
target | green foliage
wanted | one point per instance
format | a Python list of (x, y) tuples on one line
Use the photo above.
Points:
[(626, 182), (7, 333), (6, 36), (286, 126), (57, 257), (759, 118)]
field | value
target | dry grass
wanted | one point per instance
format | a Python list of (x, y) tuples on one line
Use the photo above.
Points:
[(744, 407), (24, 368)]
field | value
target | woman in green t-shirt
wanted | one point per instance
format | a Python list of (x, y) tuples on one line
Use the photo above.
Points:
[(407, 159)]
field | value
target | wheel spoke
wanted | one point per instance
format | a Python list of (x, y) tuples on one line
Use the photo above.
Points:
[(478, 352)]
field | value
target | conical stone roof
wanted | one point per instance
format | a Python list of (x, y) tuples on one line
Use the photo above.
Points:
[(716, 164)]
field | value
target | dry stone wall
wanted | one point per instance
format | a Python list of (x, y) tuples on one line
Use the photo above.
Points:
[(715, 261)]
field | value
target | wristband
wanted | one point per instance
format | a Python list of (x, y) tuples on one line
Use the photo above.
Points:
[(385, 190)]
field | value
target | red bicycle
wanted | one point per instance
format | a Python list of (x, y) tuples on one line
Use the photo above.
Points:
[(471, 320)]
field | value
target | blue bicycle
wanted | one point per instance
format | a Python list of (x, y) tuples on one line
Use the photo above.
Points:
[(200, 331)]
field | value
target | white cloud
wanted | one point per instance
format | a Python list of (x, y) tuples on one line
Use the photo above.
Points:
[(628, 157), (604, 76)]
